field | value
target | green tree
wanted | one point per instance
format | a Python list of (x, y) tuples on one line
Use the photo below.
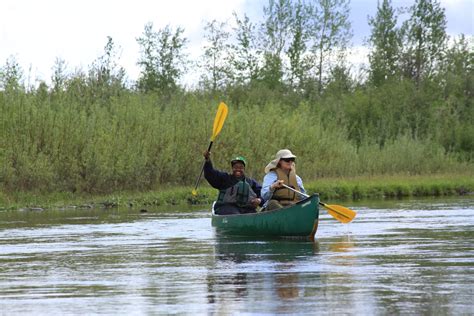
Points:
[(385, 44), (299, 65), (59, 76), (276, 27), (424, 40), (11, 75), (216, 69), (245, 53), (271, 73), (456, 117), (148, 79), (276, 30), (106, 76), (458, 69), (330, 32), (340, 80), (162, 59)]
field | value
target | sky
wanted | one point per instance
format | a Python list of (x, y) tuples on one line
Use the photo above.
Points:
[(36, 33)]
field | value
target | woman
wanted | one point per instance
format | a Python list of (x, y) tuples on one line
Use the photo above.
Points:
[(281, 170)]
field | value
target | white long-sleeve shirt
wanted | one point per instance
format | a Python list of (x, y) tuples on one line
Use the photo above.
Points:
[(270, 178)]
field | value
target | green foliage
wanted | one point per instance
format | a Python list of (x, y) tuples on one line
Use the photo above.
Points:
[(90, 133), (330, 33), (245, 54), (162, 60), (277, 25), (215, 64), (133, 143), (106, 77), (297, 47), (11, 76), (271, 74), (425, 40), (385, 41), (277, 30)]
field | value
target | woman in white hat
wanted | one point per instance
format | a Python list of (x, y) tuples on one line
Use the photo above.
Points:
[(281, 170)]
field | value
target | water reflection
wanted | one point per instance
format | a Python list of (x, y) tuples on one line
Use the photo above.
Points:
[(342, 249), (280, 250), (390, 260), (270, 266), (342, 244), (287, 285)]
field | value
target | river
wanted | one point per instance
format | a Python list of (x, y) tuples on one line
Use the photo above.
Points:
[(411, 256)]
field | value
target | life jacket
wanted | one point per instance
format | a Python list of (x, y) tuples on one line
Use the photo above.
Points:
[(283, 195), (239, 194)]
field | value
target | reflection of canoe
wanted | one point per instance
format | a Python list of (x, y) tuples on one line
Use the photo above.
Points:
[(298, 220), (248, 249)]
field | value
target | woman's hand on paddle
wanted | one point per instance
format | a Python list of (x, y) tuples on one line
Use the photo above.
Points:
[(207, 155), (276, 185)]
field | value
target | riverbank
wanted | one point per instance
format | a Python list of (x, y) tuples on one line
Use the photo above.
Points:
[(379, 187)]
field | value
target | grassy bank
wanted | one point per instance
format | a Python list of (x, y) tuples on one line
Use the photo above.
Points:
[(393, 186), (378, 187)]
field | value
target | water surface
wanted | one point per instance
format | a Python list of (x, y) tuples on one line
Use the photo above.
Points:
[(396, 257)]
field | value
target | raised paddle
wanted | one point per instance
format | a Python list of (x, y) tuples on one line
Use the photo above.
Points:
[(341, 213), (216, 129)]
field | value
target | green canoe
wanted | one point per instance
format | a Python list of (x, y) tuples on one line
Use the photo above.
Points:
[(298, 220)]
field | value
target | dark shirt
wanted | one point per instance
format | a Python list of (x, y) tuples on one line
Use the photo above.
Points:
[(221, 180)]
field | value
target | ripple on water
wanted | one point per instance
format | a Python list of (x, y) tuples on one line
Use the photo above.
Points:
[(411, 258)]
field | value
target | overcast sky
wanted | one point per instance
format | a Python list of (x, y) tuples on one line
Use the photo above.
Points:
[(36, 32)]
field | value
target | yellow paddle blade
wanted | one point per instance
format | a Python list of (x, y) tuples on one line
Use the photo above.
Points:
[(218, 124), (219, 120), (341, 213)]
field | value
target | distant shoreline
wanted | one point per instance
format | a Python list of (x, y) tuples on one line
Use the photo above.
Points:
[(376, 187)]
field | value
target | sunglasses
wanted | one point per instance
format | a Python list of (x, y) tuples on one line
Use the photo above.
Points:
[(288, 159)]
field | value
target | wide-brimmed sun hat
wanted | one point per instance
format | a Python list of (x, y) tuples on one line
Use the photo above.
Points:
[(281, 154), (238, 159)]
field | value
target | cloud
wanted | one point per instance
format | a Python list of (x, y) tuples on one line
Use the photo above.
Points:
[(37, 32), (460, 16)]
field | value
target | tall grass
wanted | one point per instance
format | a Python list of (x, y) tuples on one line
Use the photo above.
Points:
[(73, 143)]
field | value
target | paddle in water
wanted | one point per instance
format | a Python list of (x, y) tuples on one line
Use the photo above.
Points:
[(341, 213), (216, 129)]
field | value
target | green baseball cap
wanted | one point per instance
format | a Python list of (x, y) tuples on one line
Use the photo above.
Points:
[(238, 159)]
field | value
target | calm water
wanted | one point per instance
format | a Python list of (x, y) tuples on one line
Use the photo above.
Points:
[(397, 257)]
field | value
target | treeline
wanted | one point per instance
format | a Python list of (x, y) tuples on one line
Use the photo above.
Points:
[(288, 83)]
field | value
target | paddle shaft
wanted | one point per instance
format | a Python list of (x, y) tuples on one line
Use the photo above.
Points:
[(202, 168), (296, 191), (340, 213)]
